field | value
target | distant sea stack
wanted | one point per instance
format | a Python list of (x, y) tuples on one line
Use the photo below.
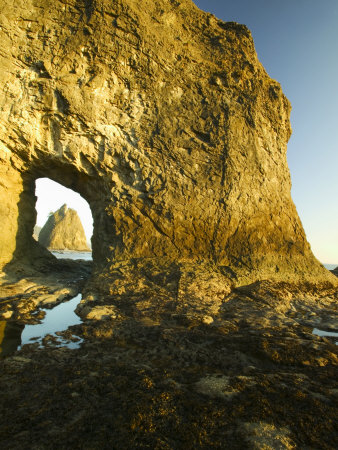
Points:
[(64, 231)]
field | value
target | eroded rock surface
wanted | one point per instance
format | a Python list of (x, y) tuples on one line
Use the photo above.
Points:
[(151, 373), (164, 120), (64, 231)]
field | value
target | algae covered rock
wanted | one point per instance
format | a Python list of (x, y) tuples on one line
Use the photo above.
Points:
[(64, 231)]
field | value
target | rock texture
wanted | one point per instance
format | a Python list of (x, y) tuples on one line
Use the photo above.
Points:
[(64, 231), (153, 373), (164, 120)]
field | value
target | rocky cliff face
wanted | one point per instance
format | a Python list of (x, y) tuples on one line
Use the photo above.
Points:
[(164, 120), (64, 231)]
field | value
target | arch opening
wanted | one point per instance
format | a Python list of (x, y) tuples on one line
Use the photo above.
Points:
[(70, 234), (20, 252)]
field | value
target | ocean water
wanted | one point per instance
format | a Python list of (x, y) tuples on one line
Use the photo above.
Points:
[(67, 254)]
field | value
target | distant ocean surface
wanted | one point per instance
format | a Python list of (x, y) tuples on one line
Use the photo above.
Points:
[(67, 254), (88, 257)]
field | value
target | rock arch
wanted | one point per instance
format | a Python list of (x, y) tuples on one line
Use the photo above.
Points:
[(52, 197), (163, 119), (20, 244)]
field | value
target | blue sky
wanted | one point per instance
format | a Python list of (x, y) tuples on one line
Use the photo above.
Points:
[(297, 43)]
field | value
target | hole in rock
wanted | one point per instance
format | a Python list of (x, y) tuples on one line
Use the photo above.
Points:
[(64, 222)]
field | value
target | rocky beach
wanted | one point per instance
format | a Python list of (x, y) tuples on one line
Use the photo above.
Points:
[(201, 307), (245, 371)]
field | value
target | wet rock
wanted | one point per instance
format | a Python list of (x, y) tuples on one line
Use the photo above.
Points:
[(215, 386), (23, 295), (251, 375), (20, 360), (50, 340), (265, 435), (7, 315), (99, 312)]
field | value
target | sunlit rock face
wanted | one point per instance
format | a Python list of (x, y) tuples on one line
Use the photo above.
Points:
[(64, 231), (164, 120)]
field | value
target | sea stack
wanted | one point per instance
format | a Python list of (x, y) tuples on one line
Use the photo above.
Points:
[(64, 231)]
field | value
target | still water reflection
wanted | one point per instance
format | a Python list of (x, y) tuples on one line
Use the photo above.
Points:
[(13, 335)]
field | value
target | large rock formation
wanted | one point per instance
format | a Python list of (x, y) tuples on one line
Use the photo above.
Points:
[(64, 231), (164, 120)]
